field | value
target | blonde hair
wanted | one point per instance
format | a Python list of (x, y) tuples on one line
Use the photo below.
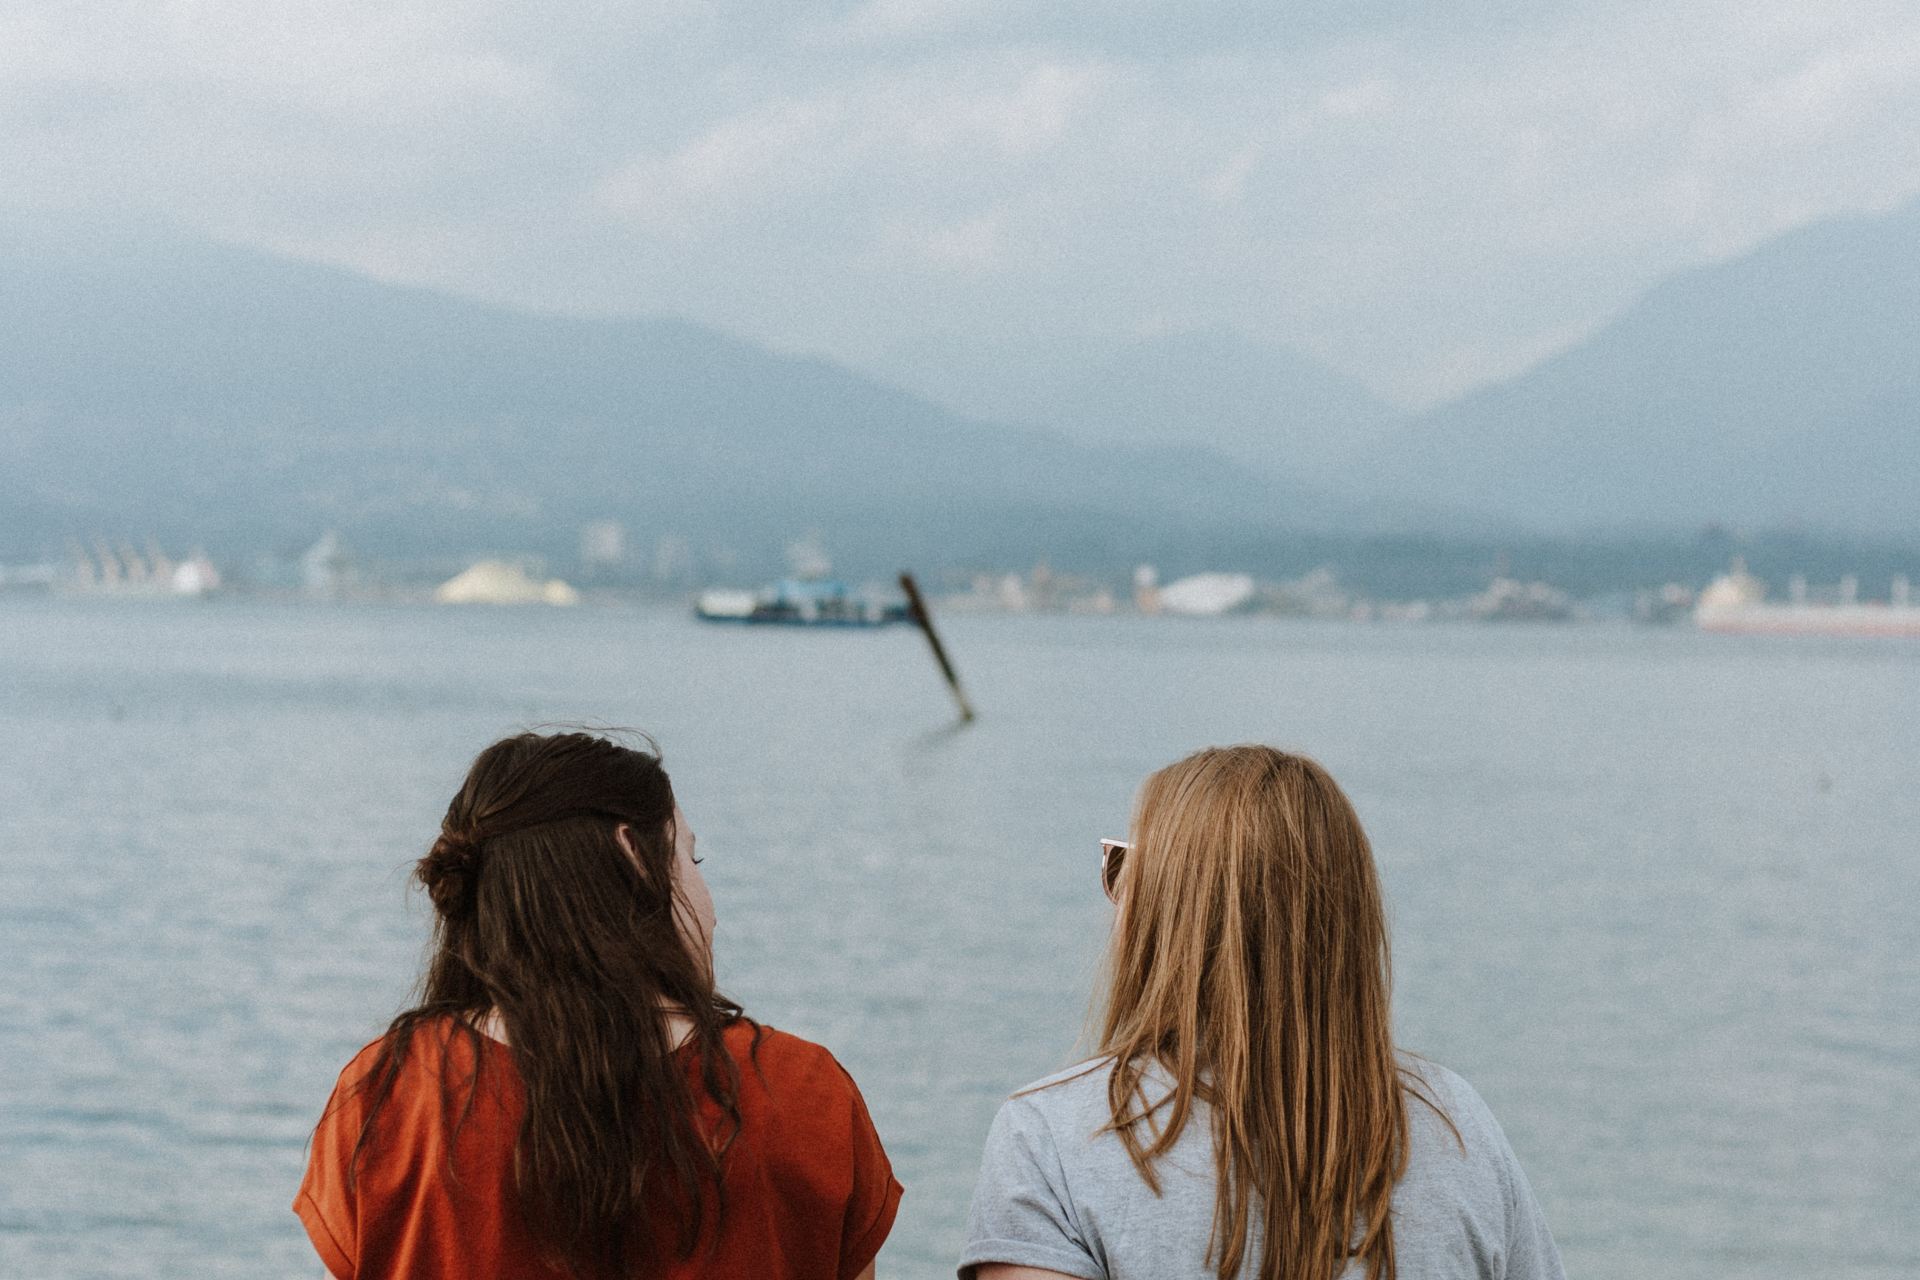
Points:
[(1250, 961)]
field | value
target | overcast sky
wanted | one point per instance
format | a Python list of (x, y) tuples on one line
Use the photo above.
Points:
[(1424, 194)]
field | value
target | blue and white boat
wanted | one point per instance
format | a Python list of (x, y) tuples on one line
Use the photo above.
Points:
[(798, 602)]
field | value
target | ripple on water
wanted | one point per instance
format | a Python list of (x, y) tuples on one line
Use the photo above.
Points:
[(1686, 976)]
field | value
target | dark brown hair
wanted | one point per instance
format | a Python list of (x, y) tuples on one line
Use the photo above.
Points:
[(541, 917)]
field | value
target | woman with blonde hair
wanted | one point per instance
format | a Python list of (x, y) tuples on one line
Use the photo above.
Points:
[(1247, 1114)]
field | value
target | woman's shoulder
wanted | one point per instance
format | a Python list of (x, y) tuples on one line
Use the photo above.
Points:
[(407, 1070), (1069, 1106), (1462, 1176), (429, 1042), (767, 1044), (1431, 1074), (1070, 1088), (1090, 1073), (1438, 1089), (1451, 1129), (789, 1065), (391, 1091)]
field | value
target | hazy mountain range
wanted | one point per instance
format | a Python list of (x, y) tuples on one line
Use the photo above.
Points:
[(201, 394), (1264, 406), (154, 385), (1783, 386)]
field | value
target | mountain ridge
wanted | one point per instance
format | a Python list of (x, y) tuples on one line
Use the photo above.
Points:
[(210, 394), (1266, 406), (1779, 387), (158, 384)]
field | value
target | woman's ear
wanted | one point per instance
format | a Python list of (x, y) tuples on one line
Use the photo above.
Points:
[(624, 834)]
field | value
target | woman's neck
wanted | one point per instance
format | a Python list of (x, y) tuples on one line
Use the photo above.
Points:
[(679, 1026)]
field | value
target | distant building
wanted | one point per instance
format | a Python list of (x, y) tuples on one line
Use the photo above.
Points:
[(807, 558), (29, 576), (1510, 600), (1042, 591), (603, 545), (1146, 589), (326, 570), (1315, 594), (152, 574), (1670, 604), (672, 561)]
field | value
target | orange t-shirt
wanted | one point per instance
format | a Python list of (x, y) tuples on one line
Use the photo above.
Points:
[(810, 1195)]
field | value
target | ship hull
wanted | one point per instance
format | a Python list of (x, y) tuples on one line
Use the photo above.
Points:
[(1839, 620), (775, 618)]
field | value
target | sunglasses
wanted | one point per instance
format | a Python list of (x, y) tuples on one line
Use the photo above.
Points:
[(1112, 854)]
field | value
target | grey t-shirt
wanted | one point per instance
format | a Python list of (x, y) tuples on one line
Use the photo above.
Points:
[(1056, 1192)]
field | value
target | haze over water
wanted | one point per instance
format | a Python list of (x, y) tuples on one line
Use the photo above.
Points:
[(1652, 892)]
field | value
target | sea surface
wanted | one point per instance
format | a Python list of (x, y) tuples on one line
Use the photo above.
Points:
[(1656, 894)]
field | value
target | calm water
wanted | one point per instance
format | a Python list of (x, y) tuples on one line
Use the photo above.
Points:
[(1653, 893)]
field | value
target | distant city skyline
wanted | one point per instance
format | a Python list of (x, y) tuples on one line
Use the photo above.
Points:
[(1424, 196)]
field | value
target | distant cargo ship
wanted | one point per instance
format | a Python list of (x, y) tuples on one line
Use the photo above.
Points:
[(1736, 602), (793, 602)]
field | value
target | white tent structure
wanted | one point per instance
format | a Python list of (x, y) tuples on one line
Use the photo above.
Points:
[(1206, 595), (497, 582)]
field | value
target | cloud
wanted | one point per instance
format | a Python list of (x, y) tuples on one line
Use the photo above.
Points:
[(891, 151), (351, 63), (1426, 194)]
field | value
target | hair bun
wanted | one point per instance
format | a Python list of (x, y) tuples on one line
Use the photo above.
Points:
[(451, 873)]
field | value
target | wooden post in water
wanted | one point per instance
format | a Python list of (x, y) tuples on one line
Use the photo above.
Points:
[(925, 621)]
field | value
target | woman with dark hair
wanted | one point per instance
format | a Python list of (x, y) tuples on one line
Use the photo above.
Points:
[(572, 1097), (1247, 1114)]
